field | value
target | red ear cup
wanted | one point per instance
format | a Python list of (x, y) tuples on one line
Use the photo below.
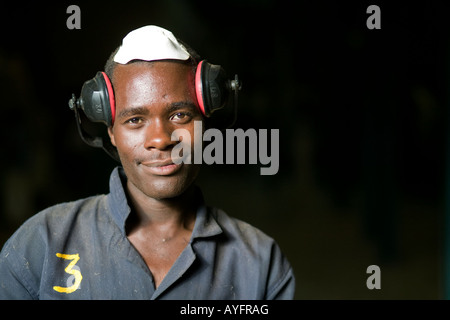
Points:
[(112, 102), (199, 87)]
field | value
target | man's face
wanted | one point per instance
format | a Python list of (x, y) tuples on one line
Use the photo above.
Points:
[(153, 100)]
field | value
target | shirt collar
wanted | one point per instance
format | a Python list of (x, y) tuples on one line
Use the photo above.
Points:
[(205, 224), (118, 202)]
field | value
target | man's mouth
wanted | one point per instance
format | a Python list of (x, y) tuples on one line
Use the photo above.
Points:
[(161, 167)]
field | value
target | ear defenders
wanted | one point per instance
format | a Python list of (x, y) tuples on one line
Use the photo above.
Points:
[(98, 104), (211, 86), (97, 99)]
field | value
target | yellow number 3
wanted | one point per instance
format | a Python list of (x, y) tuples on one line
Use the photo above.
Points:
[(68, 269)]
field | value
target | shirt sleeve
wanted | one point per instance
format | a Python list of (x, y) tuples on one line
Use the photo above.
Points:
[(281, 282), (285, 289), (21, 261), (13, 276)]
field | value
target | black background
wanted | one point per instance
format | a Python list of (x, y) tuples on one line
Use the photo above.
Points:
[(361, 113)]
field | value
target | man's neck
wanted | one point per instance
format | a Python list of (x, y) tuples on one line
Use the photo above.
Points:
[(162, 215), (160, 229)]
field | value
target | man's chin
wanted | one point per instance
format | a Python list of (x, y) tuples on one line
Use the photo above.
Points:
[(166, 187), (160, 187)]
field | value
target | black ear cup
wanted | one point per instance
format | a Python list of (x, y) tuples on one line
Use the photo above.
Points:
[(97, 102), (212, 87), (97, 99)]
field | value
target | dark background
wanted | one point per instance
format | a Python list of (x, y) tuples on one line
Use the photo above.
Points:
[(362, 118)]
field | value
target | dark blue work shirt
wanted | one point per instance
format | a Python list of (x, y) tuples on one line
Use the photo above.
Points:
[(80, 250)]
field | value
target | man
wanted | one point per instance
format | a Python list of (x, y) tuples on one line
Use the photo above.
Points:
[(152, 236)]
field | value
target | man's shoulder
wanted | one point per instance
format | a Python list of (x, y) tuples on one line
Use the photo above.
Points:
[(24, 256), (258, 252), (54, 219), (66, 211), (242, 231)]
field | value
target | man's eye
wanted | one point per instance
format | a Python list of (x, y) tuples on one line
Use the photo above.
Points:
[(180, 116), (135, 120)]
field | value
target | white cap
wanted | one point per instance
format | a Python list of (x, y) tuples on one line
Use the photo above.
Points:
[(150, 43)]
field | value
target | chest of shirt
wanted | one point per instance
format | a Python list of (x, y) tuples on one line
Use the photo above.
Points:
[(88, 256), (118, 272)]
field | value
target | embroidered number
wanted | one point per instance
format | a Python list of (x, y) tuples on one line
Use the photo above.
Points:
[(75, 273)]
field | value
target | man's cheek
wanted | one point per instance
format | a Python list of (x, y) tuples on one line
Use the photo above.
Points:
[(183, 150), (128, 143)]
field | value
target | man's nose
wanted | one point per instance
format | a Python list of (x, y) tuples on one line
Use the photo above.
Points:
[(158, 135)]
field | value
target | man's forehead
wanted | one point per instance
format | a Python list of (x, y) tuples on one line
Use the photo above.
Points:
[(159, 71), (143, 82)]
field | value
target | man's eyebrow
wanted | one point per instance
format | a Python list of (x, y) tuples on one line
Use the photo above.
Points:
[(171, 107), (175, 106), (132, 111)]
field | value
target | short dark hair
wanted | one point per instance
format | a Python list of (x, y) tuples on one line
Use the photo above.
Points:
[(111, 64)]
